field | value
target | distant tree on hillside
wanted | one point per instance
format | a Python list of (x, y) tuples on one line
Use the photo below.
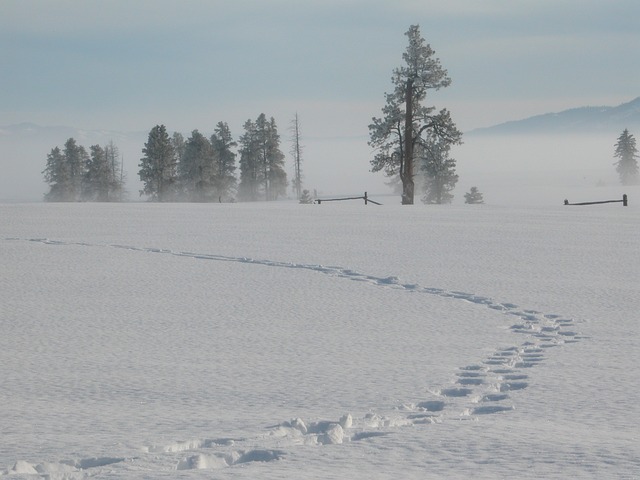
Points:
[(473, 196), (406, 123), (439, 170), (158, 166), (627, 153)]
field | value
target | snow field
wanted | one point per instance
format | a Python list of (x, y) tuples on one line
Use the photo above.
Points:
[(151, 339)]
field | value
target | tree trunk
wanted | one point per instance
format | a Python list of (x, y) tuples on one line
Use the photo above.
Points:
[(407, 175)]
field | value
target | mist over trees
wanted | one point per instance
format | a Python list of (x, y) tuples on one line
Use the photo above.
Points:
[(439, 170), (262, 174), (75, 175), (408, 127), (627, 154), (203, 169)]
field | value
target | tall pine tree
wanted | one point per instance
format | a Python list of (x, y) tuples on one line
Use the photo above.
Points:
[(76, 158), (250, 170), (222, 142), (275, 181), (197, 172), (97, 177), (406, 122), (158, 166), (262, 173)]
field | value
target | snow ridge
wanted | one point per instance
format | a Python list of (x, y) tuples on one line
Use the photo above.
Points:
[(490, 386)]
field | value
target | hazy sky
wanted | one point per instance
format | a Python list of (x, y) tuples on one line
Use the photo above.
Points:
[(132, 64)]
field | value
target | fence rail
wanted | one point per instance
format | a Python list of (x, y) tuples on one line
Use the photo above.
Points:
[(365, 197), (624, 202)]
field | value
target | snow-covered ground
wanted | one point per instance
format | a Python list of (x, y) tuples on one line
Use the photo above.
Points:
[(142, 341)]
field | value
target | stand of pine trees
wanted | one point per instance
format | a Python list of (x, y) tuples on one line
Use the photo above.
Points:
[(172, 168), (74, 175), (203, 169)]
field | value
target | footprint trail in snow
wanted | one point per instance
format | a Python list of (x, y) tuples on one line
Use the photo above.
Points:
[(490, 386)]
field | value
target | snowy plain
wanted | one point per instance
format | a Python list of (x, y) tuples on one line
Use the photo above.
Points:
[(142, 341)]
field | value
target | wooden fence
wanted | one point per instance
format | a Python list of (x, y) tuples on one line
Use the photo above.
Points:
[(365, 197), (623, 201)]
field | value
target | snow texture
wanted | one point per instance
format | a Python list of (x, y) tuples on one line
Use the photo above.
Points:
[(319, 341)]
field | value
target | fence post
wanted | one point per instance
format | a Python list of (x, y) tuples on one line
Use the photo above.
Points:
[(624, 200), (365, 198)]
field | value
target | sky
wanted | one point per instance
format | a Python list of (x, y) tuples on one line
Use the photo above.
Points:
[(128, 65)]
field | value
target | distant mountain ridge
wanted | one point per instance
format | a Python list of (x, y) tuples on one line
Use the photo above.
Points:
[(574, 120), (62, 133)]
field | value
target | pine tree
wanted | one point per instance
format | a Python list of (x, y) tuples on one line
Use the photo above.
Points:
[(158, 166), (473, 196), (439, 170), (406, 122), (305, 197), (178, 144), (117, 176), (97, 176), (196, 170), (276, 176), (76, 158), (56, 174), (627, 153), (249, 187), (222, 142), (262, 173)]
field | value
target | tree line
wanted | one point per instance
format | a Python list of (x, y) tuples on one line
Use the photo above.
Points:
[(203, 169), (412, 144), (196, 169), (74, 174)]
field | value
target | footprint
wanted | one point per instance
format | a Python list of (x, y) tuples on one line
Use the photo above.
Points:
[(456, 392), (364, 435), (470, 381), (489, 409), (473, 368), (259, 456), (515, 376), (509, 387), (432, 405), (494, 397)]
